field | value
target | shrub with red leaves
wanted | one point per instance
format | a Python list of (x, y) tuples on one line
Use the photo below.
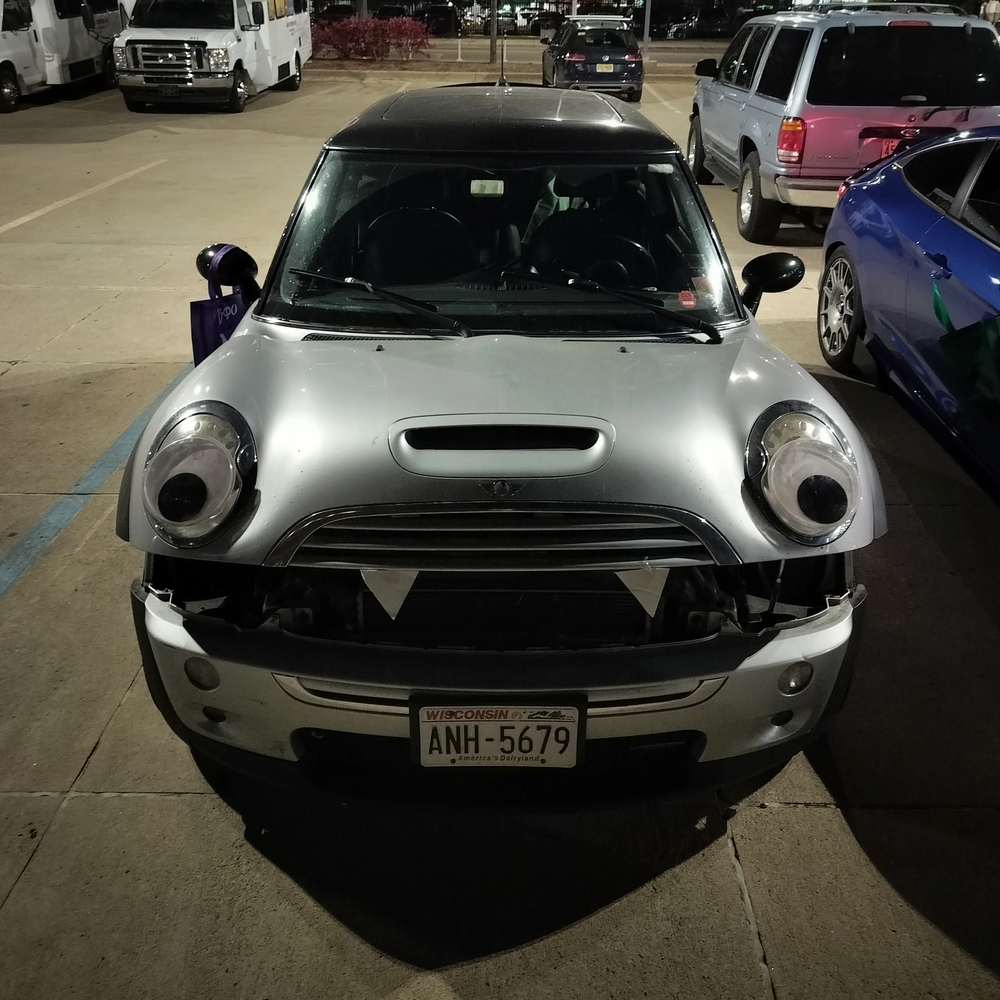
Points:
[(370, 39)]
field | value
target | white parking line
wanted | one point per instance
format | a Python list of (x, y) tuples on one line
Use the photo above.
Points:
[(659, 97), (76, 197)]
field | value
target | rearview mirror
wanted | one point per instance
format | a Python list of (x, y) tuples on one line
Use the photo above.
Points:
[(706, 67), (257, 12), (88, 17), (234, 267), (772, 272)]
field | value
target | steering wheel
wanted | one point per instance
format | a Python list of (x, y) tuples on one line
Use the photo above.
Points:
[(615, 261)]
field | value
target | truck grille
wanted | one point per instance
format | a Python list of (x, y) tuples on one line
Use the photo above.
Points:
[(476, 538), (168, 61)]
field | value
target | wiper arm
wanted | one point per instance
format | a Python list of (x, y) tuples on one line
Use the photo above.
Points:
[(427, 310), (928, 115), (585, 284)]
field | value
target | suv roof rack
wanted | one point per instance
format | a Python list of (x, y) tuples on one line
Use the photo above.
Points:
[(836, 6)]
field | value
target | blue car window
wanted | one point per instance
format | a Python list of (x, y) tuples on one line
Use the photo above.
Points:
[(982, 210), (938, 173)]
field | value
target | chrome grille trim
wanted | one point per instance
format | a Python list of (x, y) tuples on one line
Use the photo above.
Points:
[(514, 538), (174, 60)]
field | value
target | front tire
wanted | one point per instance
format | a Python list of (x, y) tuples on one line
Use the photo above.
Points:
[(10, 92), (757, 217), (240, 92), (840, 318), (696, 153), (110, 74)]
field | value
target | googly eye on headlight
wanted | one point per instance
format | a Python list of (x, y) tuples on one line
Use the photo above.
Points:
[(804, 472), (196, 473)]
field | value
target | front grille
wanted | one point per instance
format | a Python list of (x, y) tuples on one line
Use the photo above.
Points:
[(170, 61), (484, 539)]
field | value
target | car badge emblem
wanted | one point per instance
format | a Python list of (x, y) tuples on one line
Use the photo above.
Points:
[(605, 58), (909, 133), (501, 489)]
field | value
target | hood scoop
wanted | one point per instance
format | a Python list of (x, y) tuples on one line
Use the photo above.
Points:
[(501, 445)]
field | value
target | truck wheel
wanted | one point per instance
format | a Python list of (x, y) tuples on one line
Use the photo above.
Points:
[(840, 319), (757, 217), (635, 96), (240, 92), (294, 81), (109, 71), (696, 153), (10, 93)]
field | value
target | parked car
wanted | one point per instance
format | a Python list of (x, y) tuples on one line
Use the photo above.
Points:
[(499, 471), (602, 56), (388, 11), (709, 22), (912, 254), (442, 19), (546, 20), (335, 12), (506, 21), (802, 100)]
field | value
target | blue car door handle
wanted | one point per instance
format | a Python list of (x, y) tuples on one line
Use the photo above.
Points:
[(941, 260)]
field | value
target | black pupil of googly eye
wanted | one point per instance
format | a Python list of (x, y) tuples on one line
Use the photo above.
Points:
[(182, 497), (822, 499)]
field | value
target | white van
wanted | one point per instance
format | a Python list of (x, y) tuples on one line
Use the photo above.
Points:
[(211, 51), (46, 43)]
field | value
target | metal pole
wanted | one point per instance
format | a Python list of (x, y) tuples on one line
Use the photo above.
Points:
[(648, 5), (459, 59), (493, 31)]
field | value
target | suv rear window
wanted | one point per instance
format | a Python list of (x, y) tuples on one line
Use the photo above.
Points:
[(602, 38), (879, 66), (783, 63)]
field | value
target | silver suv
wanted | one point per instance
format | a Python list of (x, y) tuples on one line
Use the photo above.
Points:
[(803, 99)]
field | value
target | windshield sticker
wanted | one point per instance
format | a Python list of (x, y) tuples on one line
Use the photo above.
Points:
[(486, 188), (687, 299)]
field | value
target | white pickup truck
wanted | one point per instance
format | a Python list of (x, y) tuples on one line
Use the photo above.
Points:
[(211, 51)]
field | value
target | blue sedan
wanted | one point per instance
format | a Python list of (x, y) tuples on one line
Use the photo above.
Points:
[(912, 270)]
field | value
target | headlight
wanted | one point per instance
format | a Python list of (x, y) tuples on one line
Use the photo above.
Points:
[(218, 60), (804, 473), (197, 472), (121, 59)]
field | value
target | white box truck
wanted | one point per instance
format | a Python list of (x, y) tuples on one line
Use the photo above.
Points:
[(211, 51), (45, 43)]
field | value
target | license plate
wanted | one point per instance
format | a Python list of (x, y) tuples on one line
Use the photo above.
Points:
[(605, 67), (498, 735), (889, 146)]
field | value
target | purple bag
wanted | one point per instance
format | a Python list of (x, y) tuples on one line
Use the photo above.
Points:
[(213, 320)]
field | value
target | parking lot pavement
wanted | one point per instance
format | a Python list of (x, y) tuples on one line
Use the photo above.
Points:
[(868, 868)]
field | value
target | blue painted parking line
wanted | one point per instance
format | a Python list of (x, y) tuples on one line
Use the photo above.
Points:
[(38, 538)]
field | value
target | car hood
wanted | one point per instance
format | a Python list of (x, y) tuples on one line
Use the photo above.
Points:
[(672, 421), (214, 38)]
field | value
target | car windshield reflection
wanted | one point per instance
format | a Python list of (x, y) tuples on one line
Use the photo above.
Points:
[(445, 231)]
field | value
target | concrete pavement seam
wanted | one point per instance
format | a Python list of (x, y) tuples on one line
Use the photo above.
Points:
[(758, 942)]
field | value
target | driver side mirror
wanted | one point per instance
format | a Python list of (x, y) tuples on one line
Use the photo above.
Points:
[(546, 40), (772, 272), (233, 267), (88, 17), (706, 67)]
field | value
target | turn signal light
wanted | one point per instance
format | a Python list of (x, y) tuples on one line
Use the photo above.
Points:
[(633, 57), (791, 139), (575, 57), (841, 190)]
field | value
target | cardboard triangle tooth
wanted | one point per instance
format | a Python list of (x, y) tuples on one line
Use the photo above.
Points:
[(645, 585), (390, 587)]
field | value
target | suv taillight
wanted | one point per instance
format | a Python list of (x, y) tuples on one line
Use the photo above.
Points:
[(791, 139), (575, 57), (634, 57)]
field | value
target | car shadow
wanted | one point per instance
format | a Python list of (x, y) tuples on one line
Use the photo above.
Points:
[(435, 886), (914, 758)]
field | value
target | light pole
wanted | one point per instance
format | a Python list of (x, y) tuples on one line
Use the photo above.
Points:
[(493, 31)]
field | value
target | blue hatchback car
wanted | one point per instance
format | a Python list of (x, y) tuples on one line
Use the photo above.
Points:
[(912, 270)]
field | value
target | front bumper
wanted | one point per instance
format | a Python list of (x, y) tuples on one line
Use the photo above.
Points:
[(207, 88), (278, 691)]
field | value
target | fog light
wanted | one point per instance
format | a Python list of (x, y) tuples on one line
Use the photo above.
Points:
[(795, 678), (201, 673)]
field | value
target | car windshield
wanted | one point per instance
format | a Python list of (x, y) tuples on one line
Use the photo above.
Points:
[(887, 65), (183, 14), (455, 232)]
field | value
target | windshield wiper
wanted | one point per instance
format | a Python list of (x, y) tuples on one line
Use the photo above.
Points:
[(427, 310), (927, 115), (585, 284)]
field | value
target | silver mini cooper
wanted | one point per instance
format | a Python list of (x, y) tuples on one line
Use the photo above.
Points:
[(498, 474)]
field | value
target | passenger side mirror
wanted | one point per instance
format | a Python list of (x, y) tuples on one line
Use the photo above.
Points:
[(546, 40), (772, 272), (706, 67), (88, 17), (257, 12), (235, 268)]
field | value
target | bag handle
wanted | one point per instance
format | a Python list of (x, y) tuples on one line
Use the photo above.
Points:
[(214, 287)]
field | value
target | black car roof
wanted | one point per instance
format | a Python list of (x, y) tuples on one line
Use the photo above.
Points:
[(502, 119)]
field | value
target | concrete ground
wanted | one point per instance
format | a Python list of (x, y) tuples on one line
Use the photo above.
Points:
[(867, 869)]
